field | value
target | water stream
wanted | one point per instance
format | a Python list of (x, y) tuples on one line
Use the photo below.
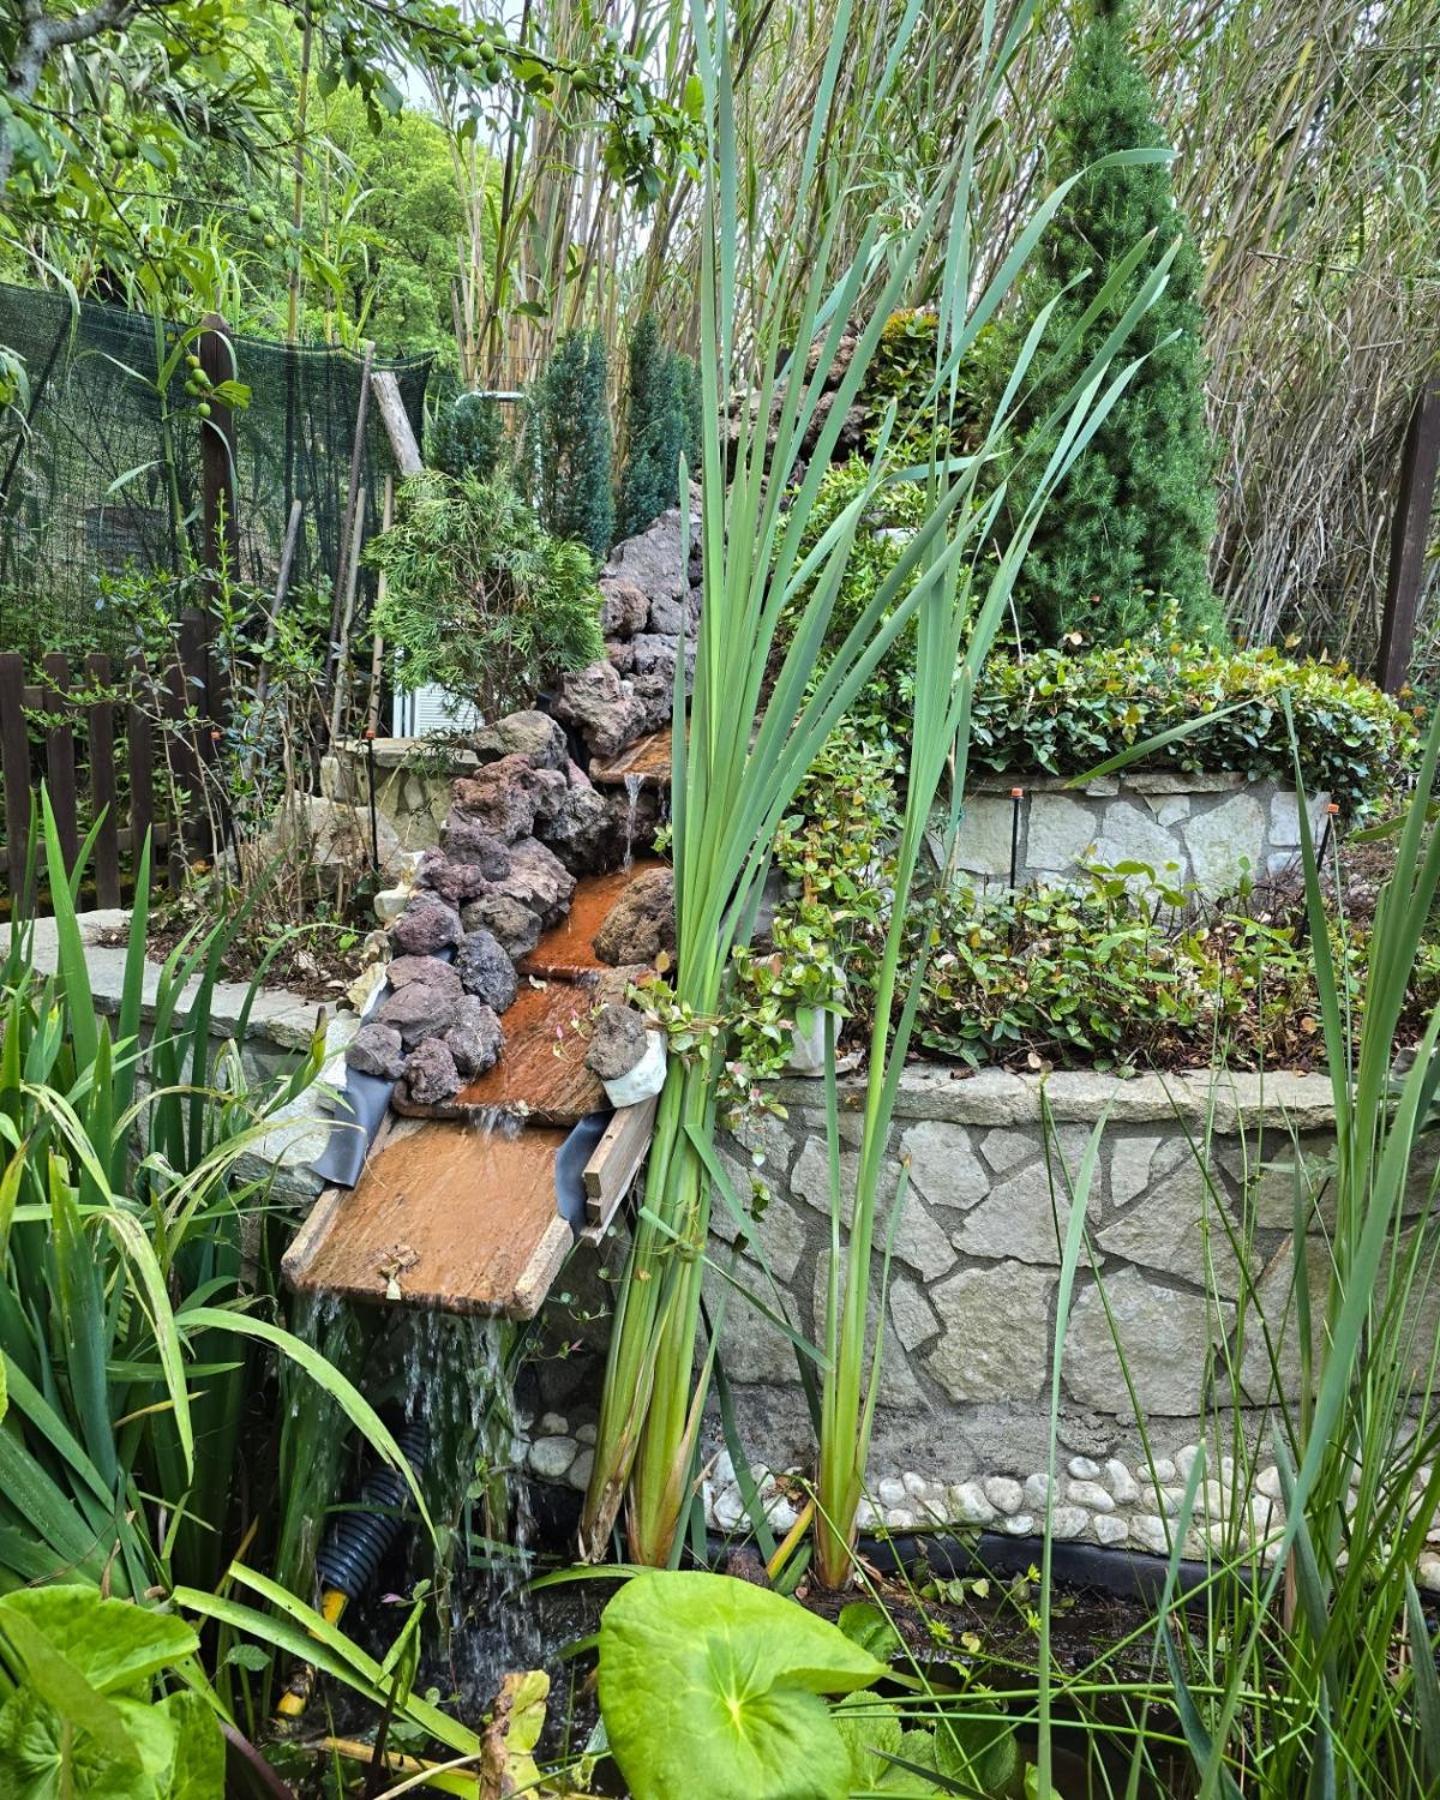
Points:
[(633, 784)]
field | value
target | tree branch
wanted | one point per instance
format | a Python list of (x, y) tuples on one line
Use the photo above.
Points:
[(41, 35)]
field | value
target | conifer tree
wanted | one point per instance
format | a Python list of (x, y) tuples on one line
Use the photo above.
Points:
[(1128, 535), (568, 445), (656, 427), (467, 437)]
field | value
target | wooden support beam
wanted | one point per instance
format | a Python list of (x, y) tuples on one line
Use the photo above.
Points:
[(386, 390), (1419, 467), (616, 1159)]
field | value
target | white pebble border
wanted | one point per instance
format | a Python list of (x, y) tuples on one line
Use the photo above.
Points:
[(1110, 1504)]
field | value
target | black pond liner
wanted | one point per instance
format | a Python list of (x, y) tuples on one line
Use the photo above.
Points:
[(1125, 1574)]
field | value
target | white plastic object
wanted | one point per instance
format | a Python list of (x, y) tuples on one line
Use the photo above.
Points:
[(645, 1079)]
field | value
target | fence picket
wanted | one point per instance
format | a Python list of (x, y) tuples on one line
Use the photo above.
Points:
[(14, 763), (60, 754), (100, 718), (141, 739)]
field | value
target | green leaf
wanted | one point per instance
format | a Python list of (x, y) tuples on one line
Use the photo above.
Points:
[(709, 1685), (867, 1625), (113, 1644)]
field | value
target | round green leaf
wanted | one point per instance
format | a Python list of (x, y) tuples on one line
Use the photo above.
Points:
[(711, 1686)]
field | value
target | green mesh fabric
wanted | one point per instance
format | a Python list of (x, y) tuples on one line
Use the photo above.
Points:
[(87, 487)]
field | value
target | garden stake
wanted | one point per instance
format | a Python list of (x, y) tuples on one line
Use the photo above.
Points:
[(1331, 812), (374, 818), (1017, 794)]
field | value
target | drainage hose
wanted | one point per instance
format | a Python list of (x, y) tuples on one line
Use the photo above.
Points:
[(356, 1543), (354, 1547)]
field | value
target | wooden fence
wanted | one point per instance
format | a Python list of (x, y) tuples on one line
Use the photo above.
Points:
[(96, 732)]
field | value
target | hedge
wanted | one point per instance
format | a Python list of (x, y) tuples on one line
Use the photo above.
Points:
[(1065, 713)]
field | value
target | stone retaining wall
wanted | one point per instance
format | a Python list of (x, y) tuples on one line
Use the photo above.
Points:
[(1209, 830), (413, 779), (1196, 1174)]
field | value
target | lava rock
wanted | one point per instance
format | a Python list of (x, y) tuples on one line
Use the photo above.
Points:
[(580, 830), (426, 927), (612, 986), (621, 653), (654, 560), (431, 1077), (466, 840), (485, 970), (501, 797), (625, 606), (618, 1040), (513, 924), (655, 655), (475, 1039), (642, 921), (377, 1049), (654, 696), (426, 971), (539, 880), (418, 1011), (531, 734), (670, 615), (601, 708), (455, 882), (549, 797)]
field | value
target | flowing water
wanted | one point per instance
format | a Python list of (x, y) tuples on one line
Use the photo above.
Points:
[(633, 784)]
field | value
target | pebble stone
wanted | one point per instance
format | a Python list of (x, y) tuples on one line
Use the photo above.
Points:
[(1109, 1530), (579, 1472), (1091, 1494), (1082, 1468), (1004, 1494), (551, 1457), (1123, 1485)]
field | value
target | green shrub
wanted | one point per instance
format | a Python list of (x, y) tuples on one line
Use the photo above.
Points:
[(480, 598), (1066, 713), (654, 405), (467, 437), (1132, 526), (687, 372), (568, 446)]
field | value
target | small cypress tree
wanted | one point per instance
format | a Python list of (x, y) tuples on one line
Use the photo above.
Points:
[(1129, 531), (568, 450), (688, 376), (467, 436), (656, 426)]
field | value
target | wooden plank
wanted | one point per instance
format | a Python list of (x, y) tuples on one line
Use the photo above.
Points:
[(444, 1218), (541, 1074), (141, 739), (1419, 468), (648, 759), (386, 390), (101, 720), (60, 754), (616, 1159), (14, 763)]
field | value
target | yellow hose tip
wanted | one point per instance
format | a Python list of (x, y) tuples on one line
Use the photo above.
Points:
[(291, 1706)]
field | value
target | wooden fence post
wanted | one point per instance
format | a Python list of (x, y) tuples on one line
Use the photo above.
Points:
[(60, 755), (100, 717), (140, 736), (14, 764), (1419, 466)]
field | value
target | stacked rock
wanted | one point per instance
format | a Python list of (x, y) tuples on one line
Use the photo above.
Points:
[(518, 832), (651, 602)]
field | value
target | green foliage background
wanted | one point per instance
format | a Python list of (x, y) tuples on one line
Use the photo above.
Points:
[(479, 597), (568, 450), (1133, 525), (655, 419)]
